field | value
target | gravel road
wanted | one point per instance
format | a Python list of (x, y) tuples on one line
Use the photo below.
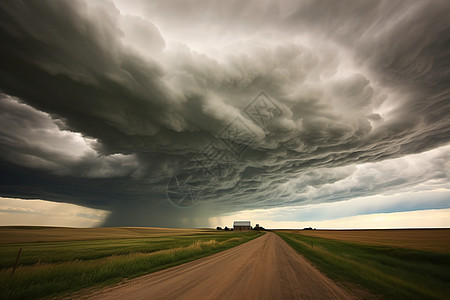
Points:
[(264, 268)]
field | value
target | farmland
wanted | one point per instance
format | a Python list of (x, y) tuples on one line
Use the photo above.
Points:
[(389, 263), (18, 234), (263, 268), (58, 260), (433, 240), (386, 264)]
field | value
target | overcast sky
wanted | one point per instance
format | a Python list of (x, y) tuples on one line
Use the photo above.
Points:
[(195, 113)]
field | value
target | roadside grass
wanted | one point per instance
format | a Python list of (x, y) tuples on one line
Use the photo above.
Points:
[(51, 269), (49, 252), (391, 272)]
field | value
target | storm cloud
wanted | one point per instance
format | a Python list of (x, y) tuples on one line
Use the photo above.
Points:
[(113, 105)]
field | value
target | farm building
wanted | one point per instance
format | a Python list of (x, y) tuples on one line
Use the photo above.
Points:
[(242, 225)]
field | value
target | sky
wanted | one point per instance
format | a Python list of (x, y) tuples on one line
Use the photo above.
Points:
[(330, 114)]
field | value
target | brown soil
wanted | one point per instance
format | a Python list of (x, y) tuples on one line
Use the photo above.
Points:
[(25, 234), (434, 240), (264, 268)]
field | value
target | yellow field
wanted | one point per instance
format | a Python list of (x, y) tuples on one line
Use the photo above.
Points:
[(23, 234), (435, 240), (70, 259)]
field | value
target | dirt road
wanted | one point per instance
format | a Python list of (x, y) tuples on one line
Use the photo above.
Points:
[(264, 268)]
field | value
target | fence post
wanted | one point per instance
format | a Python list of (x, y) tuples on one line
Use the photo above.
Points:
[(17, 260)]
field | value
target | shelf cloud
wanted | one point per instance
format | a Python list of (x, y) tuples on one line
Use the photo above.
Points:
[(168, 113)]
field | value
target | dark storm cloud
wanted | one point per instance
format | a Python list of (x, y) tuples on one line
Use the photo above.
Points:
[(353, 83), (31, 138)]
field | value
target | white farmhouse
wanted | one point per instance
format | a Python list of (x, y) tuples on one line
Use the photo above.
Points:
[(242, 225)]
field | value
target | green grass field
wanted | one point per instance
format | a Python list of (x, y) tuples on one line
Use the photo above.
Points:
[(386, 271), (55, 268)]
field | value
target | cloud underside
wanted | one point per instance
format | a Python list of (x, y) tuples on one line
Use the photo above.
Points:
[(103, 107)]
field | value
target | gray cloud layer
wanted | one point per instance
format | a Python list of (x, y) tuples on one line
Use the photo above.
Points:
[(353, 83)]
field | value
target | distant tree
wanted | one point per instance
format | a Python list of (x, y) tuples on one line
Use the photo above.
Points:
[(257, 228), (232, 229), (307, 228), (226, 228), (219, 228)]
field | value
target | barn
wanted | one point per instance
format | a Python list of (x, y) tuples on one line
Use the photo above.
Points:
[(242, 225)]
